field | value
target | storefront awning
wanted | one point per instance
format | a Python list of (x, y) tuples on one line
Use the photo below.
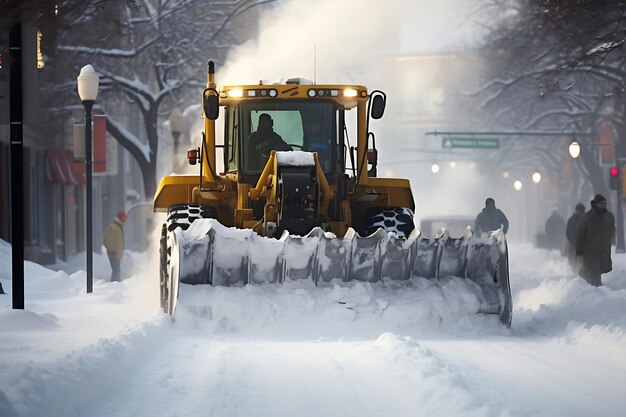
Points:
[(61, 168)]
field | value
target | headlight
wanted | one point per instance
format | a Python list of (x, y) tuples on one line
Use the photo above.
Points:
[(349, 92), (237, 92)]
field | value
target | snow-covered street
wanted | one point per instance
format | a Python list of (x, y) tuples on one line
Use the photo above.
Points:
[(359, 349), (379, 175)]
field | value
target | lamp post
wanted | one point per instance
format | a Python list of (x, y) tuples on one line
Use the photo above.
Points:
[(176, 126), (620, 246), (88, 82), (536, 177), (574, 149)]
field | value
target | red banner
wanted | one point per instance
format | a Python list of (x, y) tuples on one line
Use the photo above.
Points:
[(99, 146), (99, 143)]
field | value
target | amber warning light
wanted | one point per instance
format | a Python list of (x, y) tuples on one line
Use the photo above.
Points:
[(193, 155)]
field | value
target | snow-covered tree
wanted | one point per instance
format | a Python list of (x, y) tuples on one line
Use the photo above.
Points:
[(556, 65), (153, 61)]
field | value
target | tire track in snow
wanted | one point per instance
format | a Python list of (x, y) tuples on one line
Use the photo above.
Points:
[(221, 376)]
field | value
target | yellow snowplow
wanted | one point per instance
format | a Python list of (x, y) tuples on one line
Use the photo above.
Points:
[(299, 199)]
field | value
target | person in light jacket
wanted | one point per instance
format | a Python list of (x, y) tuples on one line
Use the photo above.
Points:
[(114, 244), (594, 237)]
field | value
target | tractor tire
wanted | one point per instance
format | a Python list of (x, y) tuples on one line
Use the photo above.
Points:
[(180, 215), (163, 264), (391, 219)]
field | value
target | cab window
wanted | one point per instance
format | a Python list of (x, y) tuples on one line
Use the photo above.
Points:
[(307, 126)]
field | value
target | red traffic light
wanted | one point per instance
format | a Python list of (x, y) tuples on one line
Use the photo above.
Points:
[(614, 171)]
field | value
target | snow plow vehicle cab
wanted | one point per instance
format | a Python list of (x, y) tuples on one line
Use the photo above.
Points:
[(299, 198)]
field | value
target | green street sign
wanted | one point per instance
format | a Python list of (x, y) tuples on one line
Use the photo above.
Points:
[(474, 143)]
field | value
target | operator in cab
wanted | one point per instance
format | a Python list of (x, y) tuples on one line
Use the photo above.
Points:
[(265, 140)]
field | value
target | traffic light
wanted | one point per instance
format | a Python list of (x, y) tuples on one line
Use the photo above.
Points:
[(614, 178)]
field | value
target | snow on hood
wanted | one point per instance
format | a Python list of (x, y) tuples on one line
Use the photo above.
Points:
[(295, 158)]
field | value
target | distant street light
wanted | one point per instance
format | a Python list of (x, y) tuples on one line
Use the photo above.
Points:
[(517, 185), (574, 149), (536, 177), (434, 168), (177, 124), (505, 174), (453, 164), (88, 83)]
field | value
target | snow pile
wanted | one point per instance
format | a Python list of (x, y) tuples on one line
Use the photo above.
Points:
[(335, 309), (444, 391), (554, 304), (80, 377), (24, 320)]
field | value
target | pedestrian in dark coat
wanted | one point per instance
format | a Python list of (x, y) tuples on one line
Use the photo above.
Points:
[(555, 231), (570, 234), (594, 237), (490, 219)]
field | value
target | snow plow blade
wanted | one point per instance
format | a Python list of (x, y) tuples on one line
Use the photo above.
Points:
[(210, 253)]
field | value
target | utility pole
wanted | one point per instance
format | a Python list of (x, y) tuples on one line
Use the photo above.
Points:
[(17, 169), (619, 239)]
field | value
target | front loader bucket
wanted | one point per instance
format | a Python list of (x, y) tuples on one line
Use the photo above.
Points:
[(453, 256), (210, 253), (299, 259), (334, 257), (366, 262), (398, 255), (488, 267)]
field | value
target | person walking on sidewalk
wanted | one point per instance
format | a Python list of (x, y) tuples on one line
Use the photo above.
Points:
[(570, 234), (594, 237), (555, 231), (114, 244)]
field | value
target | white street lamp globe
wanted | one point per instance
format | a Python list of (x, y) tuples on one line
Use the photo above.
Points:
[(517, 185), (88, 83), (574, 149), (434, 168), (536, 177), (505, 174), (177, 122)]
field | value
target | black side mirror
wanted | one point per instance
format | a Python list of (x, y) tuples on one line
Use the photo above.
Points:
[(379, 100), (211, 103)]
